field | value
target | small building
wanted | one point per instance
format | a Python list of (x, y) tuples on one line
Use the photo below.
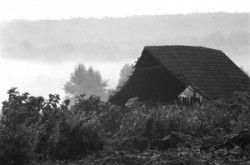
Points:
[(162, 73)]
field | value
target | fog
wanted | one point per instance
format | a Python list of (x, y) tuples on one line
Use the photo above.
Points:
[(42, 79), (38, 56), (119, 39)]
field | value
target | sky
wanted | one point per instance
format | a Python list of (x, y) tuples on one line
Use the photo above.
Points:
[(65, 9), (43, 78)]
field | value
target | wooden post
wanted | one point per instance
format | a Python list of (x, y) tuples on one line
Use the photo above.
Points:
[(194, 96)]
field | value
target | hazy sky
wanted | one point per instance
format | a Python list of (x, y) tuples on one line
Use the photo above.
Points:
[(58, 9), (43, 78)]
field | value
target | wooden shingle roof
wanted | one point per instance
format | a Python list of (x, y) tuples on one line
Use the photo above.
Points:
[(208, 71)]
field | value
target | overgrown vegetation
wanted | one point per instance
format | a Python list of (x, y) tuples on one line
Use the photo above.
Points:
[(45, 132)]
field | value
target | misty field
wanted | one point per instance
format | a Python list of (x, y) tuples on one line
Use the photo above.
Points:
[(42, 131)]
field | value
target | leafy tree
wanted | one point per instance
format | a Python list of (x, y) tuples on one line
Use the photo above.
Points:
[(34, 129), (18, 129), (85, 81), (126, 71)]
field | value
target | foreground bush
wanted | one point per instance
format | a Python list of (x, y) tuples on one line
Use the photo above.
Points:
[(38, 131), (78, 143), (33, 128), (17, 128), (161, 125), (16, 147)]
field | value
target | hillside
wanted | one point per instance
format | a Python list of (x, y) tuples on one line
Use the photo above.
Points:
[(113, 39)]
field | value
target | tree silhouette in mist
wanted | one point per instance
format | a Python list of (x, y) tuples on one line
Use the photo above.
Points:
[(85, 81), (126, 71)]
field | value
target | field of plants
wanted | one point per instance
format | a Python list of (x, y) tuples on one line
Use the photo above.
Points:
[(39, 131)]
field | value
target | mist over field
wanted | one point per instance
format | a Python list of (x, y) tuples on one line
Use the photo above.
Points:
[(46, 51)]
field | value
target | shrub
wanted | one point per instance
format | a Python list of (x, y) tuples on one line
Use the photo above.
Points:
[(79, 143), (219, 120), (17, 128), (32, 127), (16, 147), (67, 134)]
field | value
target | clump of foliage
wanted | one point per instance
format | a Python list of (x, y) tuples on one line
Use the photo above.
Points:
[(18, 124), (38, 131), (216, 131), (34, 128)]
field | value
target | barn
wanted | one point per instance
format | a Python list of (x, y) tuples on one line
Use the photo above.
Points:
[(162, 73)]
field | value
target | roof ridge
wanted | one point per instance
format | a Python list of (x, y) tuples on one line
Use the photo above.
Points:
[(183, 46)]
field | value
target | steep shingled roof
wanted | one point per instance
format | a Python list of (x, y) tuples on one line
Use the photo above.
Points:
[(163, 72)]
